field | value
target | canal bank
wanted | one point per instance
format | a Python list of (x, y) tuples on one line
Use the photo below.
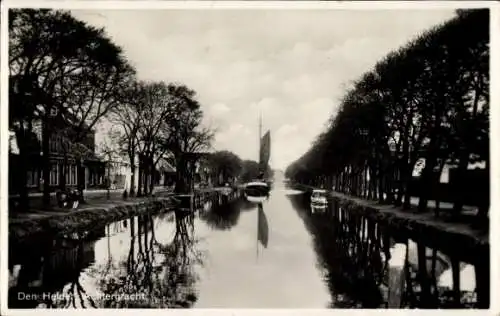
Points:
[(71, 223), (455, 238), (458, 240), (64, 224)]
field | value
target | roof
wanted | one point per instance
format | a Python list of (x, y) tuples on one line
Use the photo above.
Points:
[(165, 166)]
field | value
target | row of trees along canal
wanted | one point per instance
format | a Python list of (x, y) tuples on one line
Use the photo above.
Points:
[(428, 100), (70, 76)]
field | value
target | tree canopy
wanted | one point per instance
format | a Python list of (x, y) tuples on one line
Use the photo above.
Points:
[(427, 100)]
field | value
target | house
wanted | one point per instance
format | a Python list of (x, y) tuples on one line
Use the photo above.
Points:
[(119, 173), (201, 174), (167, 173), (65, 157)]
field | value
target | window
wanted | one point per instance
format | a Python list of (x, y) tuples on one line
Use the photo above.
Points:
[(32, 178), (73, 174), (53, 143), (70, 175), (54, 174), (66, 174)]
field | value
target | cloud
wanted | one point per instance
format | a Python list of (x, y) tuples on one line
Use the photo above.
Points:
[(219, 109), (293, 65), (286, 130)]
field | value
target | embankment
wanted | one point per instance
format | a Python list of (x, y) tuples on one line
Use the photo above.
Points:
[(456, 239), (61, 224), (57, 225)]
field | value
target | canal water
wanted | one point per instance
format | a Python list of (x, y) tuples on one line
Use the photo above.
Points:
[(278, 254)]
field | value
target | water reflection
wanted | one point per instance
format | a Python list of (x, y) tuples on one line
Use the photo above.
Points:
[(262, 226), (279, 253), (154, 271), (222, 217), (368, 265), (34, 277)]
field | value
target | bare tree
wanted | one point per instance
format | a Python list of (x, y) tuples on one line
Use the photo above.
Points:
[(127, 122), (61, 69), (155, 108), (186, 135)]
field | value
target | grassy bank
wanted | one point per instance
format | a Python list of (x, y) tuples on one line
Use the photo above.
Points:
[(60, 224)]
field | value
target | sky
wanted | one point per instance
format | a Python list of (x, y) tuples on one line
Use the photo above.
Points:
[(292, 65)]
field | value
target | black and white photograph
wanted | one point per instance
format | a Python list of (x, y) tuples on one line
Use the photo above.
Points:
[(229, 156)]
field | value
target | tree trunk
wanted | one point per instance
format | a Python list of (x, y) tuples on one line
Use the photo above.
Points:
[(132, 176), (62, 174), (427, 177), (180, 181), (459, 196), (464, 160), (140, 176), (145, 177), (408, 180), (146, 174), (380, 184), (402, 167), (153, 176), (424, 182), (81, 180), (431, 157), (22, 170), (388, 185), (46, 133)]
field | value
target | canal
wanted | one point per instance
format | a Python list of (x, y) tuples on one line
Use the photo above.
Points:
[(279, 254)]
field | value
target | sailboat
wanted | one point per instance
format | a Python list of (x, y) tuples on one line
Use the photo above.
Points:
[(258, 190)]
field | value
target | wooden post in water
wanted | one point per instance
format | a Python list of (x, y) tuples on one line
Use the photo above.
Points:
[(455, 272)]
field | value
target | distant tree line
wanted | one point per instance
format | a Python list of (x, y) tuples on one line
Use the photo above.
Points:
[(225, 165), (429, 100), (70, 76)]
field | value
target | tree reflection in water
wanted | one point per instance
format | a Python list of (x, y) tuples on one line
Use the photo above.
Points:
[(74, 294), (154, 274), (55, 272), (222, 217), (355, 253)]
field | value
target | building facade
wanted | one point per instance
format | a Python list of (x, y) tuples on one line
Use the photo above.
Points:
[(119, 173), (65, 158)]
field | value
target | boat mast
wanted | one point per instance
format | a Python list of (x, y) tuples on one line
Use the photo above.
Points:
[(260, 163), (260, 130)]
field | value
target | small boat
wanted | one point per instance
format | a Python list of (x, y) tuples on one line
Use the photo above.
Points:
[(319, 208), (318, 198), (257, 188), (255, 199)]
